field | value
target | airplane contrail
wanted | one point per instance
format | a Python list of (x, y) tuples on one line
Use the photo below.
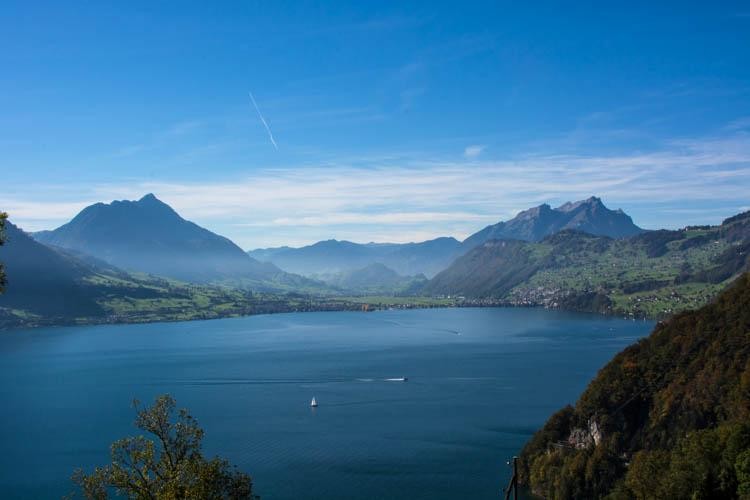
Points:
[(260, 115)]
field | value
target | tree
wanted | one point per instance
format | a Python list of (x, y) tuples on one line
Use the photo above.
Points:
[(742, 469), (3, 218), (177, 470)]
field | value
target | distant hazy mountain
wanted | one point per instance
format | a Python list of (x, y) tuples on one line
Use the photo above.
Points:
[(324, 257), (431, 257), (376, 279), (332, 256), (266, 254), (50, 285), (428, 257), (149, 236), (589, 216)]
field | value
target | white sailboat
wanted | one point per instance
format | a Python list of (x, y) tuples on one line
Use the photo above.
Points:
[(313, 403)]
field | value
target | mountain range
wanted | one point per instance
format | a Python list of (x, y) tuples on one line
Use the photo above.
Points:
[(666, 418), (333, 256), (149, 236), (431, 257), (543, 257), (654, 273), (50, 285), (588, 216)]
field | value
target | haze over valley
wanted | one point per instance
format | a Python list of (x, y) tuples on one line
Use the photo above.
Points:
[(141, 261)]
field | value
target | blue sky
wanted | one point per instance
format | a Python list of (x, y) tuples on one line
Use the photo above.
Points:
[(394, 121)]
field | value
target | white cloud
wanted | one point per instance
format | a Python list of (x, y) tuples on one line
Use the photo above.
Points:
[(392, 218), (375, 200), (473, 151)]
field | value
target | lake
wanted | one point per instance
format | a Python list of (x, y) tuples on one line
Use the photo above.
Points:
[(480, 382)]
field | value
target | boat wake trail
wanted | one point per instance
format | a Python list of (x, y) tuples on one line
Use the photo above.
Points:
[(272, 381), (253, 381)]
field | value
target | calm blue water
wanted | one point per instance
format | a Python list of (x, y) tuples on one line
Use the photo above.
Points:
[(480, 382)]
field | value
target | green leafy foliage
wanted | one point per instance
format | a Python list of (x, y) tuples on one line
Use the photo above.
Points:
[(171, 466), (668, 417), (711, 463)]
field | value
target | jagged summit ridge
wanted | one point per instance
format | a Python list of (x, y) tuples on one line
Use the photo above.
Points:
[(589, 215)]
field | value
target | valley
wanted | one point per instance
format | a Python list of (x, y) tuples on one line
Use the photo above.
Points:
[(141, 262)]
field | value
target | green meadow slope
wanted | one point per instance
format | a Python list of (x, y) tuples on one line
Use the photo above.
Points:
[(653, 274)]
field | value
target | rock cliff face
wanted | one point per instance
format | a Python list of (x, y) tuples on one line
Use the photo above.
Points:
[(582, 438), (589, 216)]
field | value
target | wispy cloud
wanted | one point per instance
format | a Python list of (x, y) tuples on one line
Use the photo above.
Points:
[(159, 138), (391, 218), (182, 128), (473, 151), (260, 115), (739, 123), (405, 199)]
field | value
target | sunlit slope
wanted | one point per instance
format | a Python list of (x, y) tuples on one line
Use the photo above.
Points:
[(650, 274)]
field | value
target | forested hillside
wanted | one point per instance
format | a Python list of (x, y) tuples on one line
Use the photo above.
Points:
[(669, 417)]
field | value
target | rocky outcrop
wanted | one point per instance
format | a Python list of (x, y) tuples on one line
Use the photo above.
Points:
[(583, 438)]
